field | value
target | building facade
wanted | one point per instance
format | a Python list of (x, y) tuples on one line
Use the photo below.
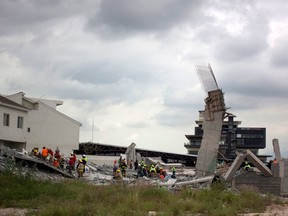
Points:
[(233, 137), (45, 126), (13, 121)]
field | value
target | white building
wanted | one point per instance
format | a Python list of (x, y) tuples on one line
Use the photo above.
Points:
[(45, 126), (13, 124)]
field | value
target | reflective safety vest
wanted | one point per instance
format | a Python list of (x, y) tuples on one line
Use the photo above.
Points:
[(45, 152), (152, 169), (246, 166)]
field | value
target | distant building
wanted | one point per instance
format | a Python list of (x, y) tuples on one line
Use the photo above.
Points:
[(233, 138), (45, 126)]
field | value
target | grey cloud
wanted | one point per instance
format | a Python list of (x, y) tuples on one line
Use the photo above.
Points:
[(255, 82), (249, 43), (176, 117), (137, 124), (109, 72), (113, 93), (178, 98), (246, 43), (30, 15), (239, 48), (124, 17), (279, 56)]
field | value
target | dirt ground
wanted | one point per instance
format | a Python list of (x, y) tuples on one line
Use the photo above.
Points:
[(274, 210), (13, 212)]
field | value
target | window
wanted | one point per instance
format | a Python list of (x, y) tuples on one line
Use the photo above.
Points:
[(28, 129), (20, 122), (6, 119)]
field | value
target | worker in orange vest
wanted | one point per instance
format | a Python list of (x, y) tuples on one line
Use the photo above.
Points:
[(56, 162), (44, 153)]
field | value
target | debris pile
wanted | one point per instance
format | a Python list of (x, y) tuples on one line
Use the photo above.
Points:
[(151, 171)]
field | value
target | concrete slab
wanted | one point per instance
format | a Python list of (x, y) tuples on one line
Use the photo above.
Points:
[(234, 167), (258, 163), (195, 181)]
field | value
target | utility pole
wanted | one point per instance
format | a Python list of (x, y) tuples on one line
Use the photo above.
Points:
[(92, 128)]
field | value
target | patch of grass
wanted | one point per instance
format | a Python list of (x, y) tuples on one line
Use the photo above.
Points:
[(78, 198)]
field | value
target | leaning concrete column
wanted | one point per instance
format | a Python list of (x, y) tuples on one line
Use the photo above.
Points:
[(234, 167), (276, 150), (212, 127)]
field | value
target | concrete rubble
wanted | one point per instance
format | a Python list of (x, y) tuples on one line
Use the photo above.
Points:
[(266, 179), (95, 174)]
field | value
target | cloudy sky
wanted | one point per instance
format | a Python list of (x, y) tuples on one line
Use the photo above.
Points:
[(130, 65)]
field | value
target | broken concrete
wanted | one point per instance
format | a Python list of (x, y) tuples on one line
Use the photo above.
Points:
[(173, 182), (234, 167), (276, 147), (258, 163), (131, 153), (253, 159), (212, 126), (259, 182), (24, 160)]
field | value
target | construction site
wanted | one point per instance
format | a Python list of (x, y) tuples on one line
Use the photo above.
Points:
[(237, 167)]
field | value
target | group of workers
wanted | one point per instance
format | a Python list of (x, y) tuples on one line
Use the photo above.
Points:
[(54, 158), (119, 168), (58, 160), (152, 171)]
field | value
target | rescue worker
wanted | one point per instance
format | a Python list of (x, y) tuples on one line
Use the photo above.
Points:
[(84, 161), (141, 171), (50, 155), (57, 154), (173, 172), (162, 177), (56, 163), (35, 151), (163, 172), (120, 161), (80, 168), (115, 168), (157, 167), (142, 163), (84, 158), (44, 153), (117, 175), (136, 164), (123, 168), (247, 166), (71, 163), (74, 161), (152, 171)]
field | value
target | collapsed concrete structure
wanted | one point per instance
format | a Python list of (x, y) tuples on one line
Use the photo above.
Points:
[(22, 159), (213, 118), (272, 179), (212, 125)]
